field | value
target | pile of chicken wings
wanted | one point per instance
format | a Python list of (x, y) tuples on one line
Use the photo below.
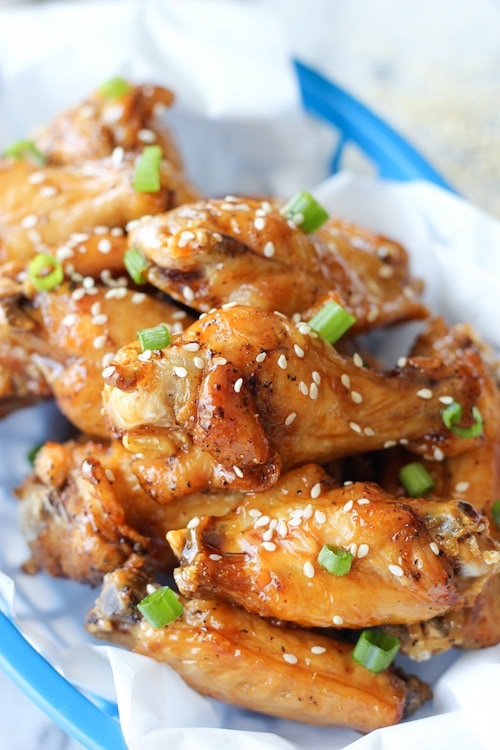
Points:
[(226, 460)]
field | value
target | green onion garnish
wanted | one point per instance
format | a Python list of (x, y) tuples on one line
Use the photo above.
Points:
[(453, 414), (32, 454), (161, 607), (146, 177), (114, 88), (45, 272), (334, 560), (136, 264), (26, 150), (331, 322), (495, 513), (305, 212), (416, 479), (375, 650), (157, 337)]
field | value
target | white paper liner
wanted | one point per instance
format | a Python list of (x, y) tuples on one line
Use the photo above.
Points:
[(234, 142)]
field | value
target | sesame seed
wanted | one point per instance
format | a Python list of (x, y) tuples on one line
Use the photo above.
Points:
[(261, 521), (145, 135), (434, 548), (185, 238), (313, 391), (145, 356), (260, 357), (219, 361), (181, 372), (446, 399), (385, 272), (281, 528), (348, 506), (295, 521), (315, 490), (290, 418), (290, 658), (390, 444), (308, 511), (215, 557), (356, 397), (369, 431), (396, 570), (424, 393), (462, 486), (29, 221), (118, 292), (345, 380), (100, 320), (303, 388), (355, 427), (48, 191), (348, 483), (193, 523), (353, 549), (363, 501), (198, 363), (308, 569), (109, 475), (438, 454), (117, 155), (36, 178), (108, 371), (259, 223), (319, 517), (104, 246), (318, 650), (337, 620), (269, 546), (138, 297), (64, 252), (363, 550), (179, 315), (402, 362), (372, 314), (282, 362), (188, 293), (237, 386), (78, 237), (107, 358), (357, 360), (303, 328), (100, 341), (269, 250), (69, 320), (238, 471), (316, 377), (268, 535), (298, 350)]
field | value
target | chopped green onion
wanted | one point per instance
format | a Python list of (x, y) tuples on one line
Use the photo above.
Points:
[(305, 212), (32, 454), (375, 650), (26, 150), (114, 88), (453, 414), (334, 560), (495, 513), (45, 272), (136, 264), (331, 322), (416, 479), (147, 176), (160, 607), (157, 337)]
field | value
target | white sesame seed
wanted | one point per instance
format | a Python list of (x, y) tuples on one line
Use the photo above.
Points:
[(214, 556), (290, 658), (254, 513), (109, 475), (372, 314), (261, 521), (145, 356), (107, 358), (188, 293), (308, 569), (198, 363), (363, 501), (267, 535), (313, 391), (219, 361), (363, 550), (316, 377), (117, 292), (298, 351), (308, 511), (355, 427), (260, 357), (303, 388), (348, 483), (337, 620), (238, 384), (36, 178), (145, 135), (434, 548), (48, 191), (402, 362), (303, 328), (269, 250), (345, 380), (69, 320), (462, 486), (396, 570), (29, 221), (438, 454), (282, 362), (390, 444), (356, 397), (295, 521), (117, 155), (446, 399), (108, 371), (319, 517), (369, 431), (259, 223), (185, 238), (348, 506), (100, 320), (281, 528), (78, 237), (269, 546), (316, 490), (100, 341), (181, 372), (357, 359), (318, 650), (353, 549), (238, 471), (385, 272), (424, 393), (64, 252), (193, 523), (290, 418)]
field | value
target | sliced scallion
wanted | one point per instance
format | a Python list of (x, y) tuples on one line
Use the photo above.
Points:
[(136, 264), (495, 513), (416, 479), (114, 88), (334, 560), (452, 416), (157, 337), (45, 272), (331, 322), (305, 212), (375, 650), (26, 150), (147, 177), (160, 607)]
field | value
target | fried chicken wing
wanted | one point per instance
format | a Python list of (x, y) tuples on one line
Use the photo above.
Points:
[(228, 654), (83, 513), (244, 392), (57, 342), (244, 250), (411, 559)]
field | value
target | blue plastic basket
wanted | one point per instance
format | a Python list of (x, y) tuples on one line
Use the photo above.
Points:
[(95, 725)]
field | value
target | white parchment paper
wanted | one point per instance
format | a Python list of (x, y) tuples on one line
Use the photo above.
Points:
[(239, 123)]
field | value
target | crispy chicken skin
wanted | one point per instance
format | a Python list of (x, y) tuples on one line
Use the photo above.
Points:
[(83, 512), (228, 654), (57, 342), (243, 393), (412, 558), (244, 250)]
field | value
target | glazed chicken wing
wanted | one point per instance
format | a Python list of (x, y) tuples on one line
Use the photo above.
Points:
[(57, 342), (83, 513), (243, 393), (244, 250), (228, 654), (411, 559)]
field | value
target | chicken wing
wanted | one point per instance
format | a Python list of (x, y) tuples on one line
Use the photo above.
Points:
[(245, 251), (411, 559), (228, 654), (83, 512), (58, 342), (244, 392)]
